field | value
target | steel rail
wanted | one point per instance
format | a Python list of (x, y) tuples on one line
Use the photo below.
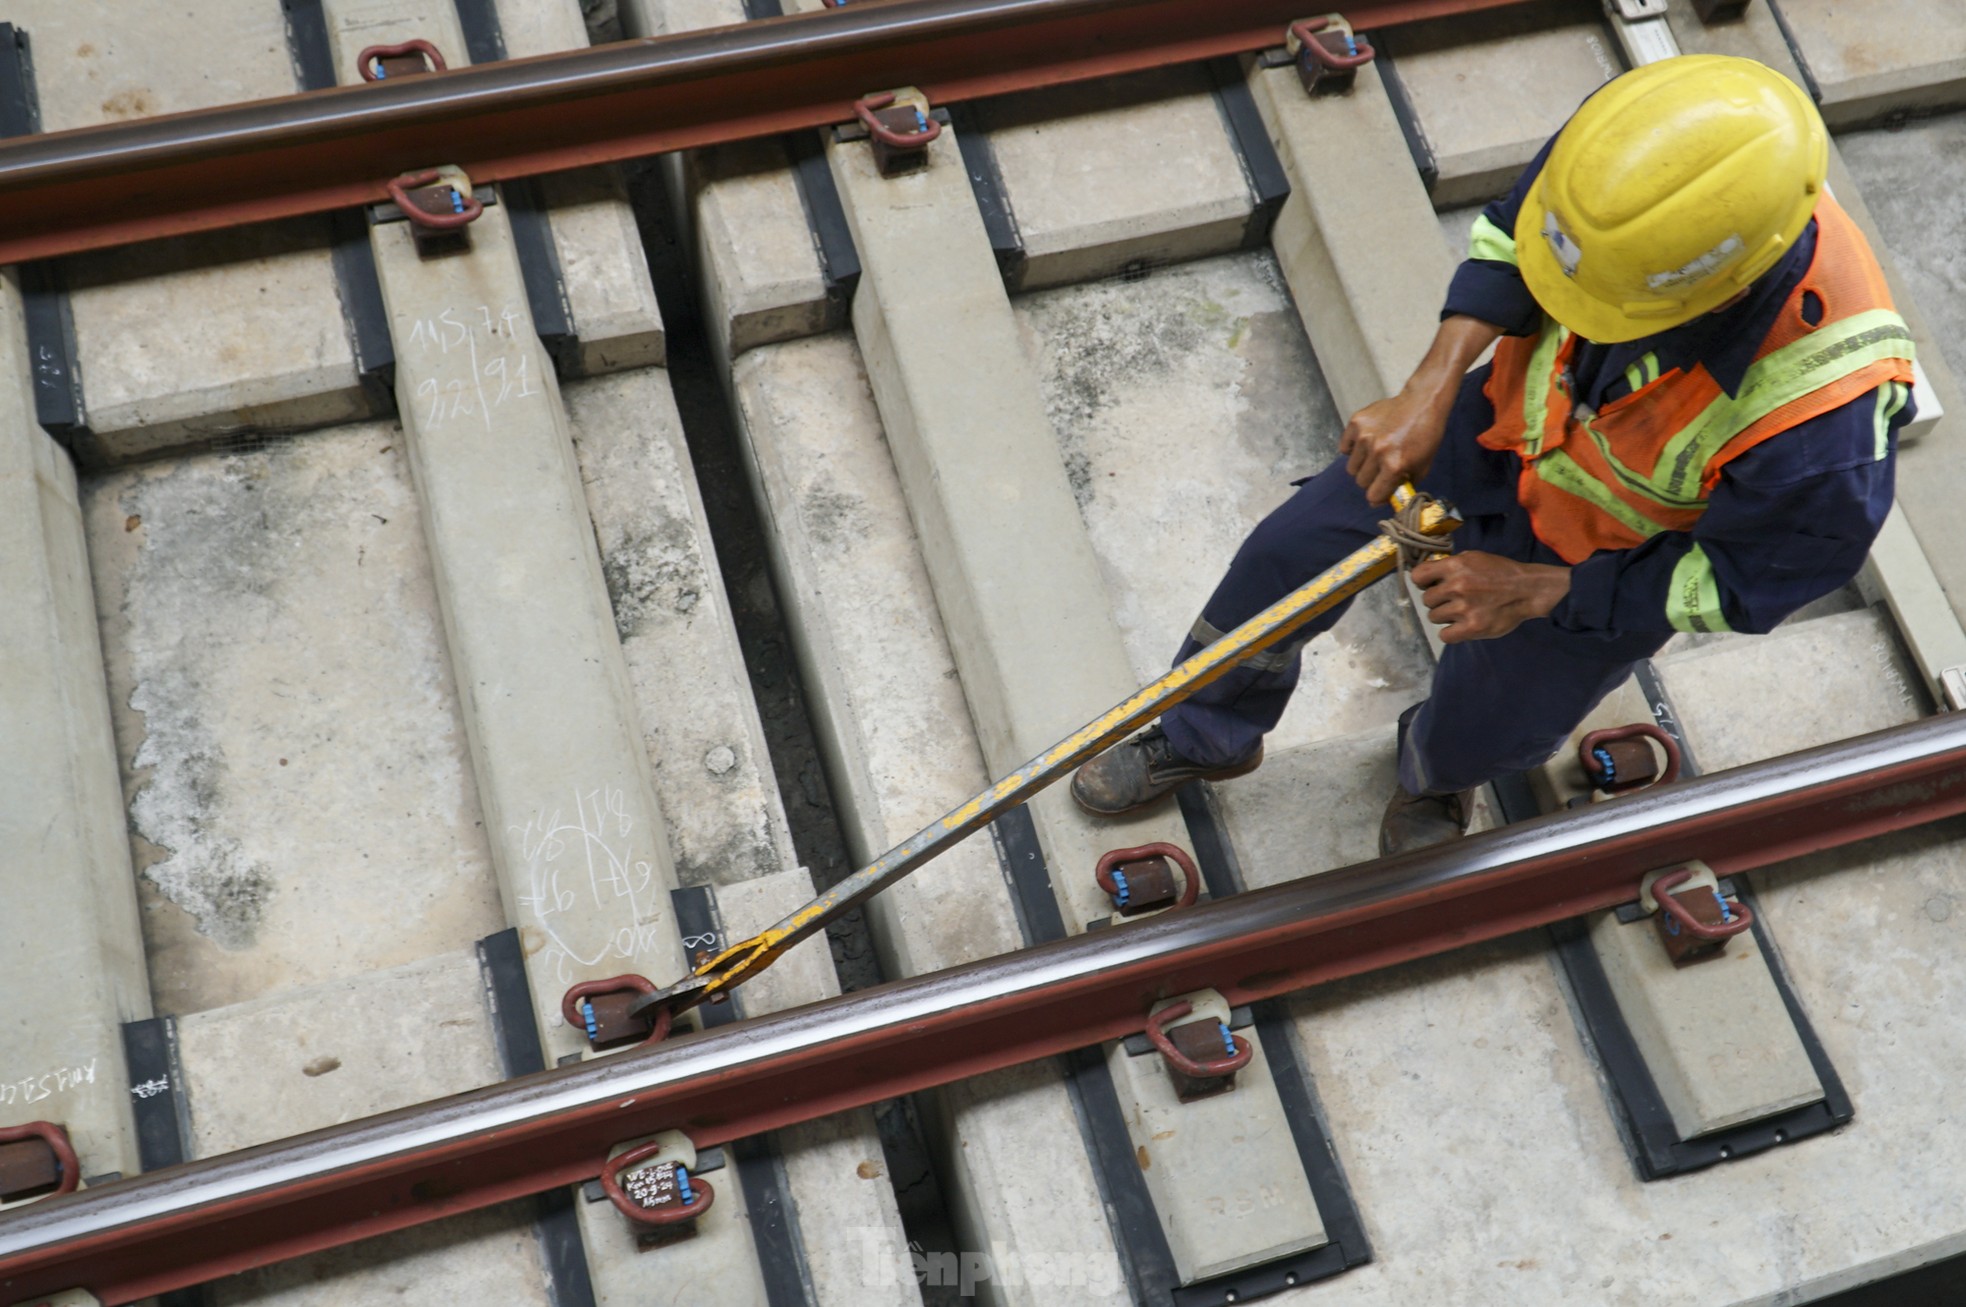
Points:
[(117, 183), (146, 1235), (1265, 631)]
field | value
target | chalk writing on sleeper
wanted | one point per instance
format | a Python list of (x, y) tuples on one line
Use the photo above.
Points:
[(586, 887), (33, 1089), (483, 361)]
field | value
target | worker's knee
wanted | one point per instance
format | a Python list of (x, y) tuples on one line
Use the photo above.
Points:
[(1324, 521)]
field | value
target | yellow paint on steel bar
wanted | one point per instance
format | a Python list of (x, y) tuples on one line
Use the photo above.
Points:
[(1266, 630)]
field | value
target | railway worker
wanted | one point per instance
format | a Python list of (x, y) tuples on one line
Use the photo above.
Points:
[(1689, 424)]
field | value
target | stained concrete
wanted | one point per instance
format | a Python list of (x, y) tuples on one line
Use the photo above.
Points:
[(1885, 58), (1490, 88), (1184, 405), (712, 777), (890, 715), (315, 1057), (246, 601)]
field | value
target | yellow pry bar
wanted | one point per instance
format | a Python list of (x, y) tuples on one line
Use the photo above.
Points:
[(1269, 628)]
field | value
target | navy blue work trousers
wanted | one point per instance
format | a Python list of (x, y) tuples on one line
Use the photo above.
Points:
[(1496, 706)]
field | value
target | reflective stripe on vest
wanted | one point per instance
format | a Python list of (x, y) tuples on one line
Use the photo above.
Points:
[(1779, 379), (1647, 462)]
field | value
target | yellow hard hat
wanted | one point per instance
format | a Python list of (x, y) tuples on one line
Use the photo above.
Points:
[(1669, 192)]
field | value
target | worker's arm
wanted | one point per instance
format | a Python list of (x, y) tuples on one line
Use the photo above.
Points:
[(1790, 521), (1396, 439)]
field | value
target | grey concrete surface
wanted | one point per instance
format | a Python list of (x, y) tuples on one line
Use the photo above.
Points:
[(1857, 678), (307, 1058), (712, 776), (1909, 176), (1311, 808), (1130, 172), (71, 953), (1887, 57), (1184, 404), (1712, 1072), (184, 340), (609, 293), (1370, 319), (299, 792), (1483, 116), (760, 275), (891, 717)]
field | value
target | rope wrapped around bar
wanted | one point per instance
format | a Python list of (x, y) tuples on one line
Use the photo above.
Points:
[(1403, 529)]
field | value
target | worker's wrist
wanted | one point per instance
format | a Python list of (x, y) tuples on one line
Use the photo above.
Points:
[(1545, 586)]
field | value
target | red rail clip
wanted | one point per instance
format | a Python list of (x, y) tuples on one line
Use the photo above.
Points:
[(603, 1008), (1617, 770), (1195, 1070), (1695, 925), (379, 62), (650, 1201), (901, 133), (1736, 917), (25, 1170), (1328, 60), (465, 207), (1148, 885)]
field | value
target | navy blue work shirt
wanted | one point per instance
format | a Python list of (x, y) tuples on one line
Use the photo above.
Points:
[(1791, 519)]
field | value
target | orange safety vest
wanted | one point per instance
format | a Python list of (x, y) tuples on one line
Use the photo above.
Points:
[(1647, 461)]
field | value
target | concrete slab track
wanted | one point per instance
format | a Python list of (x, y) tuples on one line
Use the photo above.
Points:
[(247, 599)]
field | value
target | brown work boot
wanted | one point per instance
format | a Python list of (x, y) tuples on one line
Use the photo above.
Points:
[(1420, 821), (1135, 772)]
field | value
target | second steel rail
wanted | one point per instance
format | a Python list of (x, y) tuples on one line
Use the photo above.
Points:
[(134, 1238), (93, 187)]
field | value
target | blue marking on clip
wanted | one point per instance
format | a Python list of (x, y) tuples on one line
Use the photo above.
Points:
[(682, 1185), (1604, 762), (1122, 895), (587, 1013)]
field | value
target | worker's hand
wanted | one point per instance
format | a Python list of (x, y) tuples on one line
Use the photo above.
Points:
[(1392, 441), (1477, 596)]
